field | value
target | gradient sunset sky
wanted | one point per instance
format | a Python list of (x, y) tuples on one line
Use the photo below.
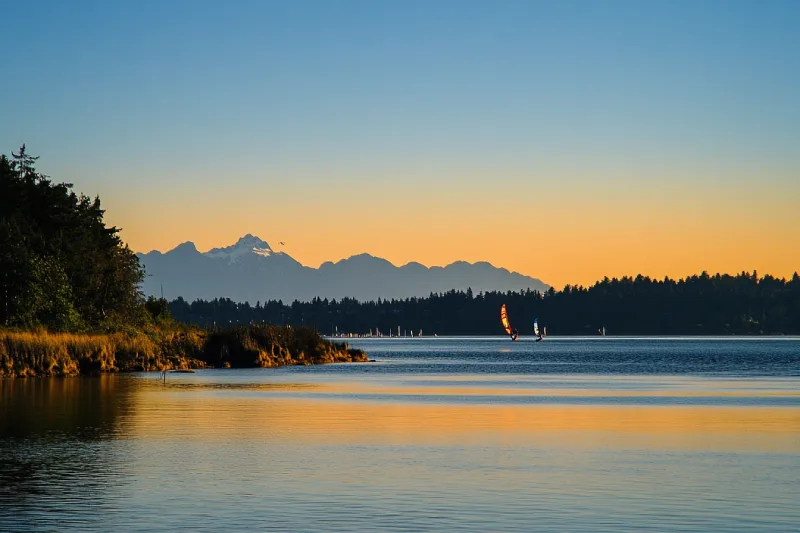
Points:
[(563, 140)]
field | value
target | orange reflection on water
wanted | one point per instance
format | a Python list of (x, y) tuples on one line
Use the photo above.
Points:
[(469, 390), (172, 415)]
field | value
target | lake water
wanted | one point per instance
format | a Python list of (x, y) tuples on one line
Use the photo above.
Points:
[(466, 434)]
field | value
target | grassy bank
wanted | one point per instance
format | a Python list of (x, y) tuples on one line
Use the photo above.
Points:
[(40, 353)]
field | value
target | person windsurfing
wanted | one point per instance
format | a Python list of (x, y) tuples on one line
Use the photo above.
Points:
[(511, 332), (539, 335)]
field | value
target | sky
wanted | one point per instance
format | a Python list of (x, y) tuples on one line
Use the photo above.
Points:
[(563, 140)]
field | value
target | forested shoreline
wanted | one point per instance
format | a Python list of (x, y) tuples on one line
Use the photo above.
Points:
[(721, 304), (71, 303)]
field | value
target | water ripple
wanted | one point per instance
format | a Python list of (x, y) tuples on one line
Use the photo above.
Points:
[(445, 435)]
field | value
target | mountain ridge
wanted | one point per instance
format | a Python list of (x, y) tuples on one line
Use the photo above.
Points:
[(250, 270)]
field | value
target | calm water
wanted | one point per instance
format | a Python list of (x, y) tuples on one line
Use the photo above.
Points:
[(477, 434)]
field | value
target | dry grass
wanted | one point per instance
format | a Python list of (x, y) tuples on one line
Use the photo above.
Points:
[(40, 353), (270, 346)]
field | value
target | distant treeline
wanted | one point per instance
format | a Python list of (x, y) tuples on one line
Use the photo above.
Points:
[(722, 304)]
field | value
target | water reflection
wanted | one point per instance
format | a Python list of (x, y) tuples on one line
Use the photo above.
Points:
[(313, 449), (57, 449), (165, 416), (86, 408)]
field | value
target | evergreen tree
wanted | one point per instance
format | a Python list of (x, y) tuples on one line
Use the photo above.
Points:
[(60, 265)]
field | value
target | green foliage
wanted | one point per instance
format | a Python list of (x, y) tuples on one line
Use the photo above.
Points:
[(53, 296), (35, 289), (158, 309), (60, 266)]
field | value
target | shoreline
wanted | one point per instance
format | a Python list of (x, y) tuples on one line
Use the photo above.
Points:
[(43, 354)]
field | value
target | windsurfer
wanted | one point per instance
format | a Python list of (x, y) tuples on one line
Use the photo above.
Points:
[(511, 332), (536, 331)]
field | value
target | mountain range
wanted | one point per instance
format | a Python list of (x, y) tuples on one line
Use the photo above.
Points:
[(250, 270)]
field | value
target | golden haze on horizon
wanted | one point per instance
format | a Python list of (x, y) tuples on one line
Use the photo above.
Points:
[(558, 237)]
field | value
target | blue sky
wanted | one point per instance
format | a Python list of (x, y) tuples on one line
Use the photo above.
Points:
[(140, 101)]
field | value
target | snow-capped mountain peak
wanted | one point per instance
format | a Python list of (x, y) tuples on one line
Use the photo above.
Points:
[(248, 244), (242, 273)]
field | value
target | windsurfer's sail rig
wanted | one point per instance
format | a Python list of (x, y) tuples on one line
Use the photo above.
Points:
[(539, 335), (506, 324)]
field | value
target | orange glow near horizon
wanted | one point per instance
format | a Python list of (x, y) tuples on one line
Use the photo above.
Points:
[(576, 233)]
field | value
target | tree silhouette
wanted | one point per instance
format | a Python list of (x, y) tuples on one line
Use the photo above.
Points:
[(697, 305), (23, 163), (60, 265)]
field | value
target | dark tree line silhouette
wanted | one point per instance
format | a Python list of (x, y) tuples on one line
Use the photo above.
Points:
[(61, 267), (722, 304)]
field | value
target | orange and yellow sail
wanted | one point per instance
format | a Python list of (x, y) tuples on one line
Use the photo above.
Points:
[(504, 319)]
